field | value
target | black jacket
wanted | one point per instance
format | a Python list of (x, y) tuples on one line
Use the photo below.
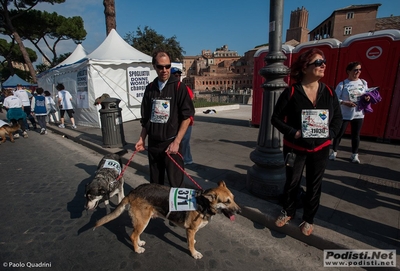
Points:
[(181, 108), (287, 114)]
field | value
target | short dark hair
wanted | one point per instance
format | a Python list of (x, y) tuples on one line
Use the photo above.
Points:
[(60, 86), (296, 70), (158, 52), (39, 91), (47, 93), (352, 65)]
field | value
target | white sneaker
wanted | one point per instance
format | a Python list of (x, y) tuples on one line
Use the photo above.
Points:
[(25, 134), (354, 158), (16, 136), (333, 156), (61, 126), (73, 126)]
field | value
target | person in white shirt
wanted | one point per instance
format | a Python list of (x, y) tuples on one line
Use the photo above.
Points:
[(349, 93), (65, 104), (15, 112), (25, 96)]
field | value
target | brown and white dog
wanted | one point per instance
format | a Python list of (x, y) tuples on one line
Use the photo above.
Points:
[(6, 129), (151, 200), (105, 184)]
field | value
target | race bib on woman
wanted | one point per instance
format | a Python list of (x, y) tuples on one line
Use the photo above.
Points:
[(315, 123), (160, 111)]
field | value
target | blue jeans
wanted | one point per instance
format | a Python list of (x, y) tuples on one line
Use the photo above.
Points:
[(185, 145)]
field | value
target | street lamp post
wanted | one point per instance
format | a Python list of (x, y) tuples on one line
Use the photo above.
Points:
[(267, 176)]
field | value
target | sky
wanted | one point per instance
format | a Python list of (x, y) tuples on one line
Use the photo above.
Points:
[(198, 25)]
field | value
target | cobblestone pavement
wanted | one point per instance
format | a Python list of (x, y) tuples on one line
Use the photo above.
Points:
[(43, 222)]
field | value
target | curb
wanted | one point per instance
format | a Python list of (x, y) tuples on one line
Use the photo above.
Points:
[(325, 235)]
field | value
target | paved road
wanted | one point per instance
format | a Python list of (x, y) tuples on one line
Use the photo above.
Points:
[(43, 221)]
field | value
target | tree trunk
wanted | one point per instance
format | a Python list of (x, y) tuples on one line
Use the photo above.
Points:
[(21, 45), (109, 12)]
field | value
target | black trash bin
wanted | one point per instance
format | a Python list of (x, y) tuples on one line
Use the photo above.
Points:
[(111, 123)]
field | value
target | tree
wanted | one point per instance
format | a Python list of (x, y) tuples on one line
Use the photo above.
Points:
[(11, 52), (148, 40), (50, 27), (109, 12), (22, 6)]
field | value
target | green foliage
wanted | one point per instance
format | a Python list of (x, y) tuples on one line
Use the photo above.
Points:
[(11, 52), (147, 40), (49, 26)]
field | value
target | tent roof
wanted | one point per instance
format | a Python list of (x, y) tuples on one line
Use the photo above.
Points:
[(14, 80), (115, 50), (76, 55)]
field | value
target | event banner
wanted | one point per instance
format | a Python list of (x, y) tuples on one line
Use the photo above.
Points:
[(82, 99), (138, 79)]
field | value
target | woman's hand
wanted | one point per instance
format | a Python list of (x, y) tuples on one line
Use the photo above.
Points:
[(298, 134), (349, 103), (367, 98)]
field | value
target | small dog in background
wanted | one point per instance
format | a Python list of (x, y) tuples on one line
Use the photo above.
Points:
[(101, 98), (105, 184), (6, 129)]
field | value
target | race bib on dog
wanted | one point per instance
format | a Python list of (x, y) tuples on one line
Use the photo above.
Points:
[(182, 199), (315, 123), (108, 163)]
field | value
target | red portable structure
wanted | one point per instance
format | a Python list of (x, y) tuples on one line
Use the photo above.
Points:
[(330, 48), (258, 80), (379, 54)]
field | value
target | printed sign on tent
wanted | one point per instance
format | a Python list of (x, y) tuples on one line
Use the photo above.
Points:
[(138, 79), (82, 100)]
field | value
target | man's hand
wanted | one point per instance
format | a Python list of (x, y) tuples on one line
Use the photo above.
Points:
[(173, 148), (140, 145)]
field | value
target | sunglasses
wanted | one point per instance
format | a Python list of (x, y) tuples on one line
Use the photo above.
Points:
[(356, 70), (161, 67), (317, 63)]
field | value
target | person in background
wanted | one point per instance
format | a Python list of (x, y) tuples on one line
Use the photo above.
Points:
[(25, 97), (15, 111), (65, 105), (187, 155), (308, 115), (38, 107), (349, 93), (2, 97), (50, 106), (166, 111)]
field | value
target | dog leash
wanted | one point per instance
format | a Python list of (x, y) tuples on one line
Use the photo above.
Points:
[(126, 166), (190, 178)]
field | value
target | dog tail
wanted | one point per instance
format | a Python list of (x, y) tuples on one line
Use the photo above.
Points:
[(114, 214)]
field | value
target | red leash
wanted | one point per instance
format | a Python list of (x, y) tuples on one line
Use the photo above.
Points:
[(190, 178), (126, 166)]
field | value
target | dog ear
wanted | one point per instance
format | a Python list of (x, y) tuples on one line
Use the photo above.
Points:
[(221, 183), (210, 196)]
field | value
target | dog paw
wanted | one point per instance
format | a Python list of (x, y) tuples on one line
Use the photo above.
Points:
[(197, 255), (141, 243), (140, 250)]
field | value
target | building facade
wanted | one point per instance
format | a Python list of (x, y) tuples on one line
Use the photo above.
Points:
[(221, 70), (347, 21)]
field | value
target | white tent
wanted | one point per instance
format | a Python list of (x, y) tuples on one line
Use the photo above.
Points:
[(76, 55), (115, 68)]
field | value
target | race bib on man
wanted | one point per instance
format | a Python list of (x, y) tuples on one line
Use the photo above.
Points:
[(109, 163), (182, 199), (160, 111), (315, 123)]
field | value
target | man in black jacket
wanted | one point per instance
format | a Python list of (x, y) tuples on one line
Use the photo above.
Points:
[(166, 110)]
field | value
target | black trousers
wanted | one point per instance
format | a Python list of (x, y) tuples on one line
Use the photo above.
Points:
[(356, 125), (160, 163), (315, 164)]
